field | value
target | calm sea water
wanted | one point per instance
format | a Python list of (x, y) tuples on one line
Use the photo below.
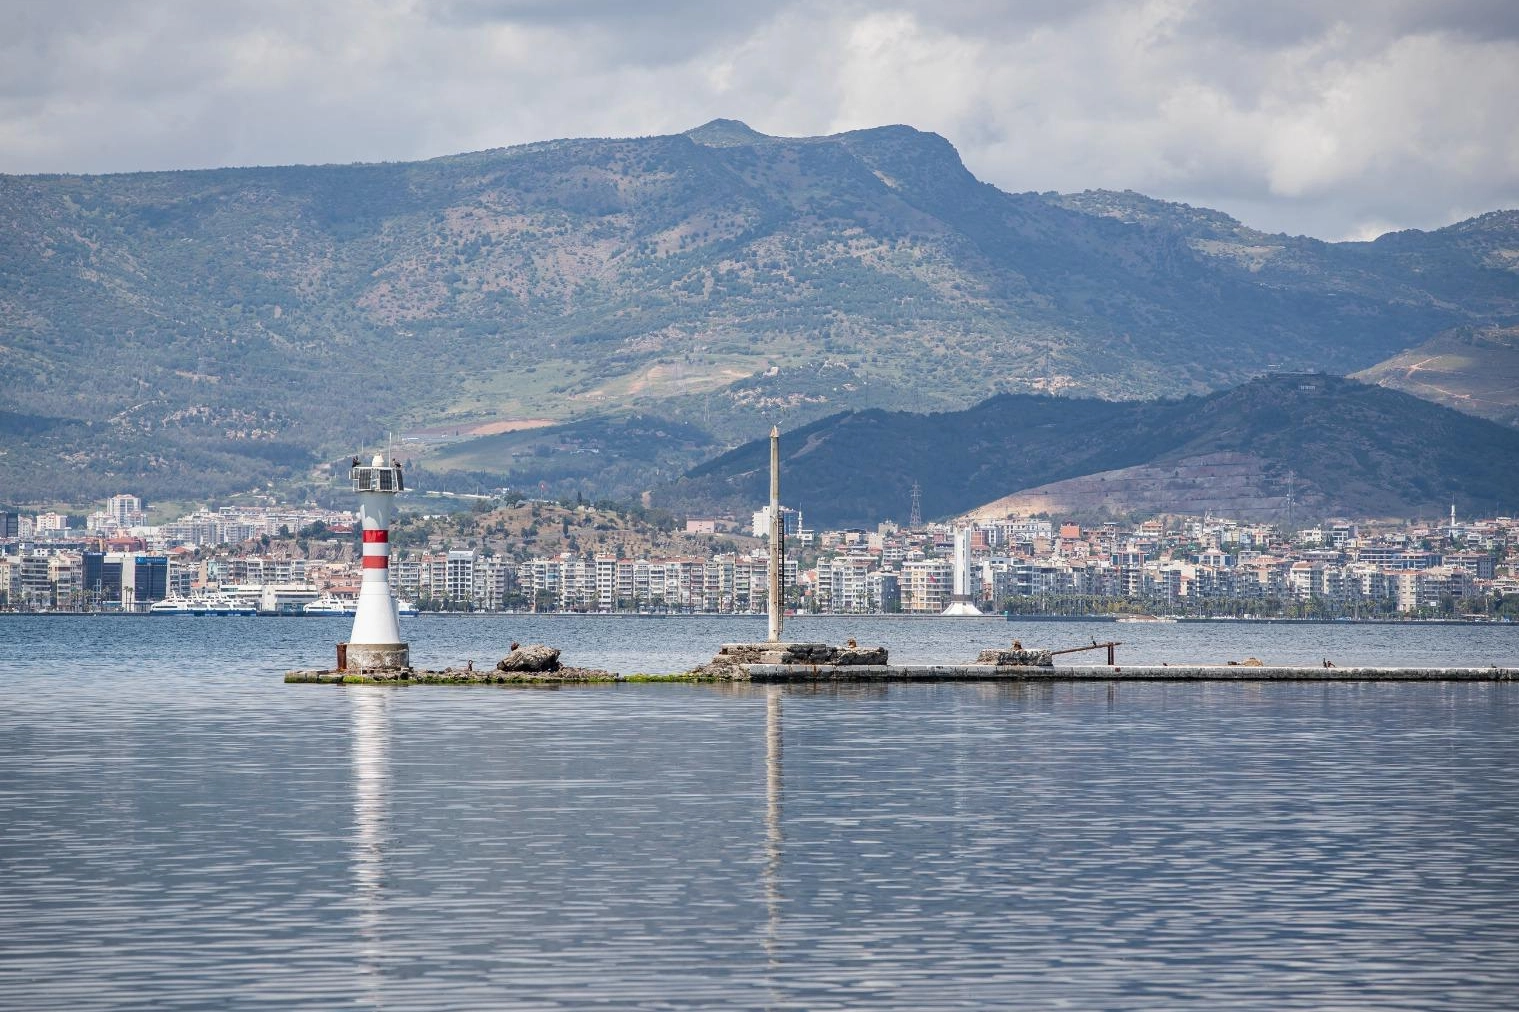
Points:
[(179, 829)]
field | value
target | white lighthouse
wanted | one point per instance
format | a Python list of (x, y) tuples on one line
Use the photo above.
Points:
[(376, 638)]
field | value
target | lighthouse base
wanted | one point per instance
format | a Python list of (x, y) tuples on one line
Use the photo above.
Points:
[(358, 656)]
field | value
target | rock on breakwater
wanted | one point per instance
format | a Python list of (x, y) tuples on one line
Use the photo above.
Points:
[(451, 676), (734, 659)]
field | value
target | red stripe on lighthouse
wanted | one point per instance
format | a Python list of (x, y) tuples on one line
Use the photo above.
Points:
[(376, 562), (370, 537)]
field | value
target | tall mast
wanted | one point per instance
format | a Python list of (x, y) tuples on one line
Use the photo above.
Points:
[(777, 535)]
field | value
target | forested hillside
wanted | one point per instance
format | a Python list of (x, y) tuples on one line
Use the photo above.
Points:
[(1347, 448)]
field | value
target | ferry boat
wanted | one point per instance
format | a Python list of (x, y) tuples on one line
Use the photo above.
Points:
[(213, 604), (1146, 618), (329, 604), (221, 604)]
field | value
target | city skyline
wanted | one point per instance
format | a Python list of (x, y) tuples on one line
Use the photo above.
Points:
[(1198, 565)]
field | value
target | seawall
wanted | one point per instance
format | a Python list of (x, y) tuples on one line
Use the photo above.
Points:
[(1121, 673)]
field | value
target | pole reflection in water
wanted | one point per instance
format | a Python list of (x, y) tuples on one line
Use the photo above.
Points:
[(371, 817), (773, 838)]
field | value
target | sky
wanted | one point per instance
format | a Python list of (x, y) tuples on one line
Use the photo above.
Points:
[(1340, 119)]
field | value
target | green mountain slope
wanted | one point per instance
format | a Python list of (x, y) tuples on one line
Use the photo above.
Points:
[(719, 278), (1475, 370), (1346, 447)]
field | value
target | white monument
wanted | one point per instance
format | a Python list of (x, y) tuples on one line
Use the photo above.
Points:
[(960, 602)]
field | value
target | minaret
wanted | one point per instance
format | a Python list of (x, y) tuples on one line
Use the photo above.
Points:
[(376, 638), (777, 536)]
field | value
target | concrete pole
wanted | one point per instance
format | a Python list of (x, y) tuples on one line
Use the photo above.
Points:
[(777, 535)]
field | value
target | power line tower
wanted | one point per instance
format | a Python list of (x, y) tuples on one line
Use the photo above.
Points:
[(915, 514)]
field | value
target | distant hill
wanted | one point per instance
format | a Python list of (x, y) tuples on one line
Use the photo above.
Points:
[(600, 457), (1338, 446), (190, 331), (1471, 369)]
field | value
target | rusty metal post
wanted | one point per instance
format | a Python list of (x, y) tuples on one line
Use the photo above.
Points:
[(342, 656), (1111, 661)]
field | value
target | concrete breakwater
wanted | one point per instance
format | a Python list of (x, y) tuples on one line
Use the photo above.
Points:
[(785, 673), (534, 664), (818, 662), (800, 663), (400, 677), (825, 673)]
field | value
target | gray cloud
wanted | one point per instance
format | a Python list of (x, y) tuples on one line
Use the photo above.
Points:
[(1329, 119)]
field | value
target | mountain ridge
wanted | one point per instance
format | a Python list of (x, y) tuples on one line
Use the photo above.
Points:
[(1475, 370), (1337, 446), (754, 279)]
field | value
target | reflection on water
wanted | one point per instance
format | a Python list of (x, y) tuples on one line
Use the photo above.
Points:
[(187, 832), (98, 646), (773, 834), (371, 818)]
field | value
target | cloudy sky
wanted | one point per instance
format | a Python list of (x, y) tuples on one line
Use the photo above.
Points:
[(1334, 118)]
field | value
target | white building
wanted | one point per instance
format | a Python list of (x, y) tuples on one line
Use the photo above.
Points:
[(125, 511), (459, 575), (791, 522)]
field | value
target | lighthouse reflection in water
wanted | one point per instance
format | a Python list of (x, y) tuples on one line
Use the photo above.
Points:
[(371, 818)]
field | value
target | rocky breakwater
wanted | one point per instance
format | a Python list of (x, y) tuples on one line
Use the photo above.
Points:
[(1009, 657), (772, 663), (535, 664), (733, 659), (539, 663)]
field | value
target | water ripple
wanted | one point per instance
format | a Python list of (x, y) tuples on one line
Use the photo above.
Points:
[(176, 839)]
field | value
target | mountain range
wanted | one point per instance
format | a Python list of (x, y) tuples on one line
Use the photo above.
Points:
[(1279, 448), (199, 332)]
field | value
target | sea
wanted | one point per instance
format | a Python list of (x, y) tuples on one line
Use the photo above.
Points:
[(179, 829)]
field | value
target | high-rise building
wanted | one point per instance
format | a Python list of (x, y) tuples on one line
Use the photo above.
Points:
[(125, 510), (125, 580), (459, 576)]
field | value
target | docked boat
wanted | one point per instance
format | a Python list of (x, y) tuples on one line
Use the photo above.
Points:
[(209, 604), (330, 604), (221, 605)]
